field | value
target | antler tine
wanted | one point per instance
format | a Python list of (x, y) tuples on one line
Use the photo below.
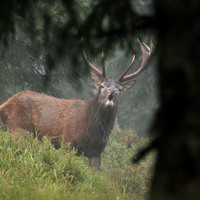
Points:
[(103, 65), (145, 58), (97, 71), (127, 69)]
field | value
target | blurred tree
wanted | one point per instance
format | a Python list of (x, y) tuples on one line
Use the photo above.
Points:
[(56, 27), (177, 172)]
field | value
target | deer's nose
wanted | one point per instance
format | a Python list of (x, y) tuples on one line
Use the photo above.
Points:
[(112, 90)]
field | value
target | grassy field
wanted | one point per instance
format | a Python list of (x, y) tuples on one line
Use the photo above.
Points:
[(30, 169)]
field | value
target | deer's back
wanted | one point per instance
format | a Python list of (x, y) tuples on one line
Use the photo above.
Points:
[(61, 119)]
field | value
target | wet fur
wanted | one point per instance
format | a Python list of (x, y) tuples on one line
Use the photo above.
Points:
[(85, 124)]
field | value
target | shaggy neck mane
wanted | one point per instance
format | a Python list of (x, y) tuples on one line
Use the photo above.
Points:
[(100, 121)]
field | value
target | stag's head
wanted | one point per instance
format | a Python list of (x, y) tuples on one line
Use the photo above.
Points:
[(109, 89)]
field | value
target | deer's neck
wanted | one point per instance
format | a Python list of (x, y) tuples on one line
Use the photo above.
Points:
[(100, 119), (99, 123)]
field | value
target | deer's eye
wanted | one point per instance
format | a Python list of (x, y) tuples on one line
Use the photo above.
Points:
[(101, 86), (120, 89)]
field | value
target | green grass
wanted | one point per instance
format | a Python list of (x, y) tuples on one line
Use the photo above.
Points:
[(30, 169), (133, 180)]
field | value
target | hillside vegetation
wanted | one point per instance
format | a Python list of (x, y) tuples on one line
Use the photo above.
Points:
[(30, 169)]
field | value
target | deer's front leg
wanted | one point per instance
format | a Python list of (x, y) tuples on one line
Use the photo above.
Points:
[(95, 163)]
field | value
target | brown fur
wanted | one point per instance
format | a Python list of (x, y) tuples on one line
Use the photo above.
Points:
[(84, 124), (30, 111)]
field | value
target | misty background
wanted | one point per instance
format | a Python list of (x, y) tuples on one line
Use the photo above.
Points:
[(21, 71), (26, 65)]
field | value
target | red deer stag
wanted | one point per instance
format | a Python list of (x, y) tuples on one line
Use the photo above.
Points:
[(85, 124)]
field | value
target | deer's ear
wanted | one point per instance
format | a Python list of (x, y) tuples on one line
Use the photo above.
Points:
[(127, 86), (95, 78)]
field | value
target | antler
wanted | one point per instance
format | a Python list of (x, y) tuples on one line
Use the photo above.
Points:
[(97, 71), (145, 58)]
